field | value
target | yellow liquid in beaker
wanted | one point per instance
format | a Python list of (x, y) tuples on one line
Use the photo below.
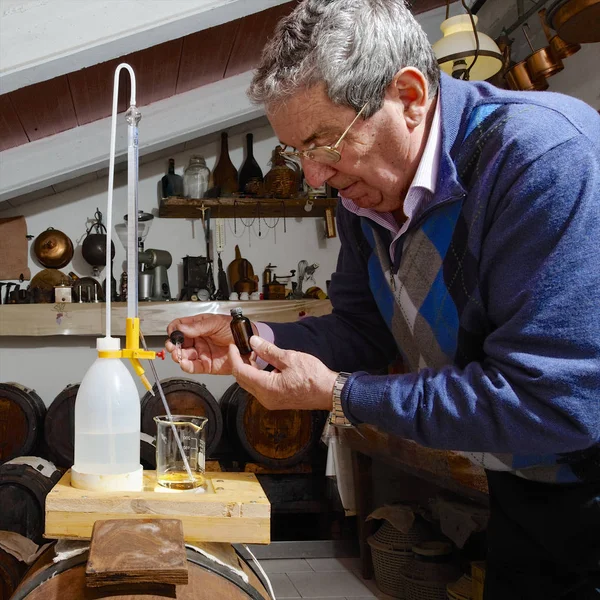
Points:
[(180, 480)]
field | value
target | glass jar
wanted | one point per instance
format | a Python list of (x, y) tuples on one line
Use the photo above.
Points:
[(195, 178)]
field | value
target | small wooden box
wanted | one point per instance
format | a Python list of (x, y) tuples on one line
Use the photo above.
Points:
[(233, 509)]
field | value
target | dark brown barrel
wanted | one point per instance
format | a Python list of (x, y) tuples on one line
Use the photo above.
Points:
[(21, 420), (65, 580), (275, 438), (59, 427), (11, 572), (24, 483), (185, 397), (148, 451)]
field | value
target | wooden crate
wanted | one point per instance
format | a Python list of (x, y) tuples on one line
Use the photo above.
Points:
[(233, 509)]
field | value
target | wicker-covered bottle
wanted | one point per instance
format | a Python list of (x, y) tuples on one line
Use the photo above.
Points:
[(282, 180)]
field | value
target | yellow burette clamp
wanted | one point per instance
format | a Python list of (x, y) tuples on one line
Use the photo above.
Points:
[(132, 351)]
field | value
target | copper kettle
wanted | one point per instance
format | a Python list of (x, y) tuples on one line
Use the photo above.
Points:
[(53, 248)]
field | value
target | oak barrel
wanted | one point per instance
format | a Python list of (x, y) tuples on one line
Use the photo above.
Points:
[(275, 438), (148, 451), (185, 397), (24, 484), (208, 580), (22, 414), (59, 427), (11, 572)]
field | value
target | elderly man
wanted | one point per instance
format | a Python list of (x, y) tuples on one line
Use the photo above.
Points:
[(469, 222)]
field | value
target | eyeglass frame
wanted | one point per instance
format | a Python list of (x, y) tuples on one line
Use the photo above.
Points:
[(334, 154)]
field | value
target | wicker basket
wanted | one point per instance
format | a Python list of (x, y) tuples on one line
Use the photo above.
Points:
[(387, 564), (391, 537), (432, 561), (418, 589)]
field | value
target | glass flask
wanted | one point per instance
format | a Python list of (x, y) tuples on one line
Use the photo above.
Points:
[(195, 178)]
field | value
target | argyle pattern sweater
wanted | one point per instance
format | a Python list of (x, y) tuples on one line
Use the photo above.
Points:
[(493, 296)]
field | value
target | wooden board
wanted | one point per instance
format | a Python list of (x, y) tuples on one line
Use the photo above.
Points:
[(11, 131), (45, 108), (244, 208), (204, 56), (88, 319), (137, 551), (233, 509)]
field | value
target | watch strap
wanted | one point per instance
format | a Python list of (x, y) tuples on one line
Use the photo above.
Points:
[(337, 416)]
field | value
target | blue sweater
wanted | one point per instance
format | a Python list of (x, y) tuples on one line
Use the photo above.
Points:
[(495, 302)]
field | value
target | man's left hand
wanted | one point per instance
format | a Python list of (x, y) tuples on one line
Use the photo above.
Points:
[(299, 381)]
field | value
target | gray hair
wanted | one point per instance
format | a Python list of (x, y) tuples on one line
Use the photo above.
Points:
[(354, 47)]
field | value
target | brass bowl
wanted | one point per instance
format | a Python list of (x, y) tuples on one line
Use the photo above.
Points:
[(53, 248)]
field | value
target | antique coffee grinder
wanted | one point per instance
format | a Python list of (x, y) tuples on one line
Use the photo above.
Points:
[(153, 281)]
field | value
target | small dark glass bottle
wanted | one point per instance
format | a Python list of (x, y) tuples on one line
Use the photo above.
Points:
[(172, 184), (241, 329), (176, 337), (251, 176)]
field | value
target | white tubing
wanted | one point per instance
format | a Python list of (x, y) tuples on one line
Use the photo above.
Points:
[(111, 181)]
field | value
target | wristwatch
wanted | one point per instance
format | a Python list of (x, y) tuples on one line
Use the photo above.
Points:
[(337, 417)]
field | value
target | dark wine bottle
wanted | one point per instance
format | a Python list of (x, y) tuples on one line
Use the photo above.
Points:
[(225, 177), (251, 177), (172, 184)]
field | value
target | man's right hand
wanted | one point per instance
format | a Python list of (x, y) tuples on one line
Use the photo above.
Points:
[(206, 343)]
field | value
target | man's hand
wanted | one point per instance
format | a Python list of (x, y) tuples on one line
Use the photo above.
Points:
[(299, 381), (206, 344)]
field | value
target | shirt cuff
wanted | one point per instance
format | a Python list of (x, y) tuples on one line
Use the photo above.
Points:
[(266, 333)]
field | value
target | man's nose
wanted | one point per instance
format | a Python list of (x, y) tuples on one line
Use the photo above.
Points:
[(316, 174)]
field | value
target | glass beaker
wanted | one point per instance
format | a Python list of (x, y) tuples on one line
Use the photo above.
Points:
[(170, 467)]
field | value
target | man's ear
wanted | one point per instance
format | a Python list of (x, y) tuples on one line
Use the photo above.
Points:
[(409, 87)]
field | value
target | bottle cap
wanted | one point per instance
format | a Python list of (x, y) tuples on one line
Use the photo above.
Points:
[(236, 311), (108, 343), (176, 337)]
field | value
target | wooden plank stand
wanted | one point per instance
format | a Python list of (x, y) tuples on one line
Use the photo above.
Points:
[(233, 509)]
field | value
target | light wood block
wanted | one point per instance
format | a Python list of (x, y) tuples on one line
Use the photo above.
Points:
[(233, 509)]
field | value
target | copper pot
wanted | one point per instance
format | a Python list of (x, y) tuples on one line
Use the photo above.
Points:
[(542, 63), (559, 47), (519, 78), (53, 248), (576, 21)]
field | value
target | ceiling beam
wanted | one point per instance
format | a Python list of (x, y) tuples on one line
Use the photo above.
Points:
[(42, 39), (166, 123)]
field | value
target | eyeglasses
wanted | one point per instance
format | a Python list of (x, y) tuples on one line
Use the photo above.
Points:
[(327, 155)]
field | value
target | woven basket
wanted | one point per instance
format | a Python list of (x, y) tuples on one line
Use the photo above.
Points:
[(387, 564), (442, 569), (391, 537), (416, 589)]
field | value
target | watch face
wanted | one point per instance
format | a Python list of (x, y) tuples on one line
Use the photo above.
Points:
[(203, 295)]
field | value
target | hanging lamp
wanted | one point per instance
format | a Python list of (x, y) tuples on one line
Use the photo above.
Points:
[(464, 52)]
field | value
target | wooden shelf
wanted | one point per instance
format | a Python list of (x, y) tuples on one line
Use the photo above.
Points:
[(89, 319), (246, 208)]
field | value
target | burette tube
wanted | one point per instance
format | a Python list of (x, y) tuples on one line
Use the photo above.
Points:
[(133, 117)]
